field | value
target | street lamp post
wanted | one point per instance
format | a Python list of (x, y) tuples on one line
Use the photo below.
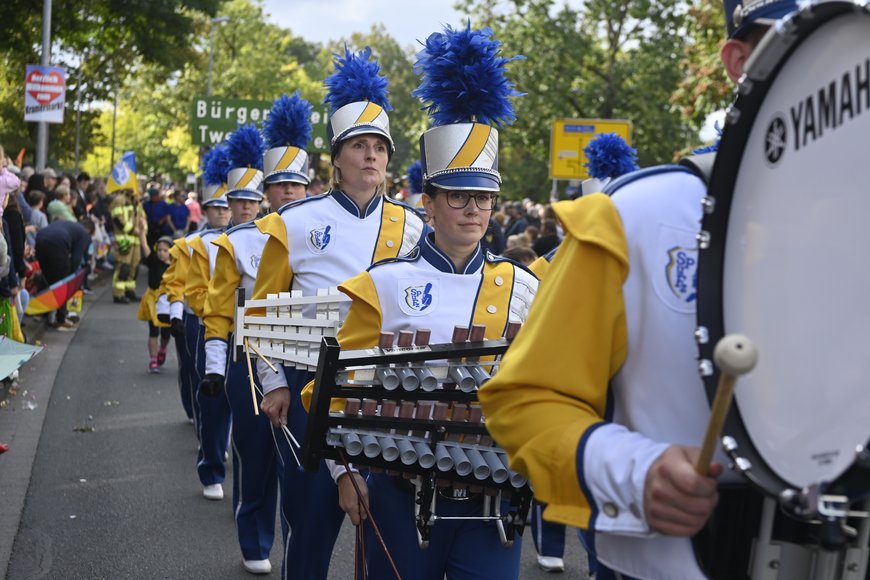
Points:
[(214, 21), (42, 126)]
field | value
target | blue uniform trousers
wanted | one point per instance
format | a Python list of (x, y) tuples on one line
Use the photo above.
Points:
[(549, 538), (255, 480), (185, 387), (310, 514), (212, 422), (461, 550)]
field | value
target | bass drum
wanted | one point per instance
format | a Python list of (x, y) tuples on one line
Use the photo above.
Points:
[(785, 257)]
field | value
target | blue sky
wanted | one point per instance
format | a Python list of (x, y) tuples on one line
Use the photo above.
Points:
[(322, 20)]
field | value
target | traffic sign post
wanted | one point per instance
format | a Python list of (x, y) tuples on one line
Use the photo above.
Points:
[(568, 139), (214, 118)]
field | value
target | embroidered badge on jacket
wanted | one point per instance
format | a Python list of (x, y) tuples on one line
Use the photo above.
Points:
[(417, 298), (677, 281), (319, 238)]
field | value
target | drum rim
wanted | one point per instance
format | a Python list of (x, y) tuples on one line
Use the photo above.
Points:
[(714, 227)]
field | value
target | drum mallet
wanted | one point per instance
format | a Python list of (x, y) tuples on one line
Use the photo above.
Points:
[(735, 355)]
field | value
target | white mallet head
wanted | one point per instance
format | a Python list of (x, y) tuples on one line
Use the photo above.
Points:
[(735, 354)]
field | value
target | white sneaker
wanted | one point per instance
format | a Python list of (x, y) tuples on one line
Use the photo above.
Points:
[(213, 492), (551, 563), (258, 566)]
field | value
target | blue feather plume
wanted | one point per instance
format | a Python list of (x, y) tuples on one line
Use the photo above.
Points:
[(463, 78), (289, 122), (216, 165), (609, 156), (415, 177), (246, 147), (356, 79)]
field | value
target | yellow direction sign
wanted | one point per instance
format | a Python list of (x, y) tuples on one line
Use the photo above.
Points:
[(569, 137)]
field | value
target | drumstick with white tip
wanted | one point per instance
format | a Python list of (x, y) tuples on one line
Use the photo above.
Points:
[(735, 355)]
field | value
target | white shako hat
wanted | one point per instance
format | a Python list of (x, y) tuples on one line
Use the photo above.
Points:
[(246, 148), (464, 88), (215, 166), (287, 131), (357, 97)]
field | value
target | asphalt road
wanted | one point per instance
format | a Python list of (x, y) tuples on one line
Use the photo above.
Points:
[(113, 491)]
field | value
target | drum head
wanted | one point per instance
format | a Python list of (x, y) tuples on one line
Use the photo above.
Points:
[(788, 263)]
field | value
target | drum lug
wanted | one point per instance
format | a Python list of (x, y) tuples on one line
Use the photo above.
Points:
[(732, 115), (702, 335), (745, 85), (705, 367), (741, 464), (703, 238), (709, 204)]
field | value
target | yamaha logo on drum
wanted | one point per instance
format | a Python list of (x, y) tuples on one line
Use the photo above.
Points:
[(775, 140), (831, 106)]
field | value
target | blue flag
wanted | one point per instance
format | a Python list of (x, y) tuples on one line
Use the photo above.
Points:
[(124, 174)]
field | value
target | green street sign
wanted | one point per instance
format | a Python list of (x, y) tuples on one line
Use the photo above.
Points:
[(214, 118)]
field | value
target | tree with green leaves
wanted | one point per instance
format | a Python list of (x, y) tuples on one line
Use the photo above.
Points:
[(611, 60), (253, 59), (99, 43), (705, 87)]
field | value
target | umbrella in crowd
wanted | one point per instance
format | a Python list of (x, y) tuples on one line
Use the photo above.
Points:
[(56, 295), (13, 354)]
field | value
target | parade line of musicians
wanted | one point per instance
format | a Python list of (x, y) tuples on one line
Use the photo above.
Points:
[(420, 264)]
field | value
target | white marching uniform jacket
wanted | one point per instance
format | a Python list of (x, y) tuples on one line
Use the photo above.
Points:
[(177, 303), (202, 261), (237, 258), (587, 431), (424, 290), (322, 241)]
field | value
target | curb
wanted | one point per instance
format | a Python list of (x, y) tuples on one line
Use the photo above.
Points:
[(21, 424)]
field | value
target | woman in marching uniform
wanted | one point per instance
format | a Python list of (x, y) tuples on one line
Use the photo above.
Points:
[(255, 481), (317, 243), (448, 280)]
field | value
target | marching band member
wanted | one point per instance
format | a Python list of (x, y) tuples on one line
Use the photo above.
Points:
[(255, 482), (415, 185), (245, 150), (317, 243), (171, 302), (447, 280), (606, 419), (609, 157)]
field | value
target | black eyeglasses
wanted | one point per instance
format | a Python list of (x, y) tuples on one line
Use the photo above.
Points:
[(484, 201)]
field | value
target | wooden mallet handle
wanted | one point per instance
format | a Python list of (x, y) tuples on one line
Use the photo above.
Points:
[(735, 355)]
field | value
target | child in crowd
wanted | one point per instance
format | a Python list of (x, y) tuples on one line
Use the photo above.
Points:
[(157, 261), (58, 208)]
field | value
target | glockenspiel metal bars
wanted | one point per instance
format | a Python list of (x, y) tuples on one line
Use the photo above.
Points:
[(408, 411), (292, 327)]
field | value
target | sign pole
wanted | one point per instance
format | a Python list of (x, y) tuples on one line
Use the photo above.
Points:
[(42, 126)]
